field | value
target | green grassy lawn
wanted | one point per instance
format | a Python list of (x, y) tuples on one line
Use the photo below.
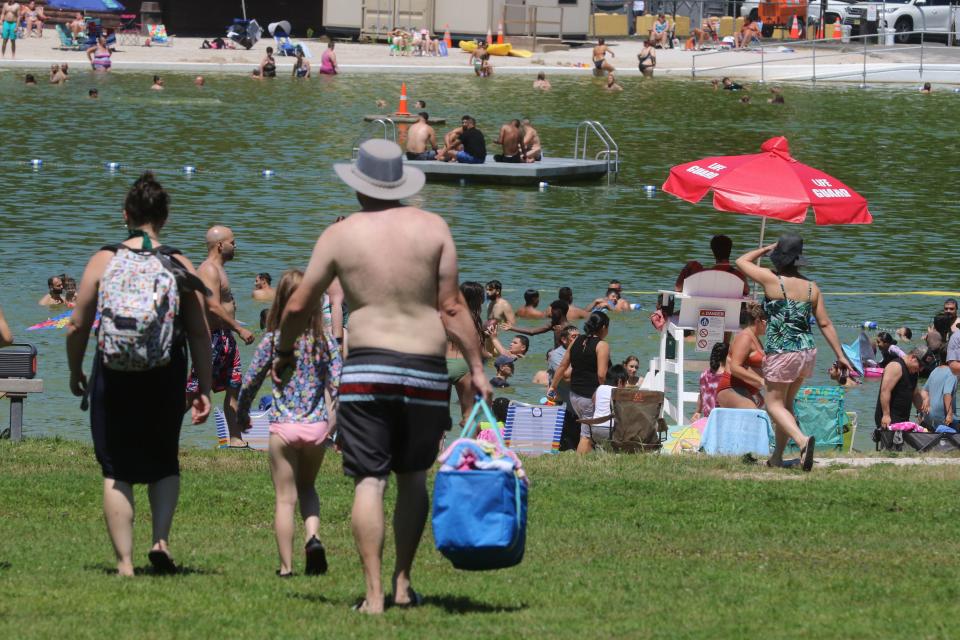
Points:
[(618, 546)]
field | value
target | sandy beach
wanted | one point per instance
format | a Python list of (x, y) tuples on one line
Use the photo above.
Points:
[(786, 62)]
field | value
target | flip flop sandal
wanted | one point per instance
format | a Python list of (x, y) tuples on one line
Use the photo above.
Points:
[(245, 445), (284, 575), (806, 456), (316, 557), (162, 563), (416, 600)]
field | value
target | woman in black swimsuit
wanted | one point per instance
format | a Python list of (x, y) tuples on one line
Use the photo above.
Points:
[(268, 67), (647, 59)]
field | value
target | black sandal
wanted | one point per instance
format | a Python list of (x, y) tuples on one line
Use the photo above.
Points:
[(162, 563), (806, 454)]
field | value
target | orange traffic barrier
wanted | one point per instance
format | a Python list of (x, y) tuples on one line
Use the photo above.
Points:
[(402, 108), (794, 29), (446, 36), (499, 33), (837, 29)]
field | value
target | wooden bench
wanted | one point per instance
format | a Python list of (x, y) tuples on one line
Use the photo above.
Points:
[(16, 389)]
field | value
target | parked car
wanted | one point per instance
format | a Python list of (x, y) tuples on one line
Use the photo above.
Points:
[(836, 9), (904, 16)]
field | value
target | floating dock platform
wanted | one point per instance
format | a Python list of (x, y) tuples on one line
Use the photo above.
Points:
[(551, 170)]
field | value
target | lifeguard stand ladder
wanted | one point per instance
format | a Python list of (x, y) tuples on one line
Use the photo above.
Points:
[(716, 291)]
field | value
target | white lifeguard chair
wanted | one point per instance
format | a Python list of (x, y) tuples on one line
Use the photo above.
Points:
[(708, 294)]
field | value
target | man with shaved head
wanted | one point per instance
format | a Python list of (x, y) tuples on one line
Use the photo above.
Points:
[(221, 316)]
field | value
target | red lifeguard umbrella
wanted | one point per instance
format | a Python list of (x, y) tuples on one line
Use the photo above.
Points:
[(771, 184)]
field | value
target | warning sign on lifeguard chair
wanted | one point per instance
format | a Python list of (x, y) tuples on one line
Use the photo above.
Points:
[(709, 329)]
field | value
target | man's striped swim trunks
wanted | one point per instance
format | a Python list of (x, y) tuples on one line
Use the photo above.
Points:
[(394, 408)]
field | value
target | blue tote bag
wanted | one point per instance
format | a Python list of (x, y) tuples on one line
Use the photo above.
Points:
[(479, 514)]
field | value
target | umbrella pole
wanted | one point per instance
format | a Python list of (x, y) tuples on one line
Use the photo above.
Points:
[(763, 230)]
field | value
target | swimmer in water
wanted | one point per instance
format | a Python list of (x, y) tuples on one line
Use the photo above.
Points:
[(599, 54), (531, 299), (612, 83), (262, 289), (93, 94), (157, 84), (926, 88), (541, 82), (54, 296), (905, 334), (199, 82)]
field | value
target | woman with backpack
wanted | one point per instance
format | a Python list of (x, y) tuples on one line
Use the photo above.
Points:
[(589, 359), (299, 424), (146, 295)]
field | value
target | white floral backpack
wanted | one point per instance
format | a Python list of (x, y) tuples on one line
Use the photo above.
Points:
[(139, 308)]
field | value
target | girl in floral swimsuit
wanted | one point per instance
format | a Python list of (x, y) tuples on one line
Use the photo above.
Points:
[(791, 299), (299, 424)]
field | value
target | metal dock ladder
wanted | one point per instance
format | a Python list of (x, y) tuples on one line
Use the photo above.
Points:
[(389, 133), (610, 151)]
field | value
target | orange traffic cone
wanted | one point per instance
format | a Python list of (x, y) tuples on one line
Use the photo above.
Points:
[(500, 33), (446, 36), (489, 37), (402, 109), (837, 29), (794, 29)]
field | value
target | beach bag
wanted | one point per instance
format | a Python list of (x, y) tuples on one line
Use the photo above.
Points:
[(919, 442), (480, 501), (139, 306)]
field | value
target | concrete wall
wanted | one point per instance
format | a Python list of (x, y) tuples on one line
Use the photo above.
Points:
[(210, 17)]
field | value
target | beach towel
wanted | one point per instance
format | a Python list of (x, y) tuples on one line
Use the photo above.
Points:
[(734, 432)]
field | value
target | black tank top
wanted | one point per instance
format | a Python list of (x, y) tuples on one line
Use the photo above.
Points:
[(583, 359), (901, 398)]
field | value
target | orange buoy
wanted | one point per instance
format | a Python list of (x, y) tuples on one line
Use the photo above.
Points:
[(402, 108)]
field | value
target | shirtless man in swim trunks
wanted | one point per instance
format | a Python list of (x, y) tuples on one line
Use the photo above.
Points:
[(532, 151), (574, 312), (11, 14), (600, 52), (221, 316), (420, 136), (398, 268), (510, 139), (499, 309), (263, 290)]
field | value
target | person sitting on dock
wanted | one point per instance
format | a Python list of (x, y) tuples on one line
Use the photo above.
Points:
[(531, 300), (473, 146), (420, 136), (532, 151), (541, 82), (510, 139), (600, 63)]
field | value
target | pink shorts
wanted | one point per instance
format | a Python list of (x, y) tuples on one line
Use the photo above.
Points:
[(299, 435), (789, 366)]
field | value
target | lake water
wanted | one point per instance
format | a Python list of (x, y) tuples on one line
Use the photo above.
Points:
[(894, 146)]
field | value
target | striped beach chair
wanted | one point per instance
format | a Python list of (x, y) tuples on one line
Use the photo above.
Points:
[(533, 429), (258, 437)]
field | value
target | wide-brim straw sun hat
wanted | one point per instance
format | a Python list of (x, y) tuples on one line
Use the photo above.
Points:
[(380, 173)]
